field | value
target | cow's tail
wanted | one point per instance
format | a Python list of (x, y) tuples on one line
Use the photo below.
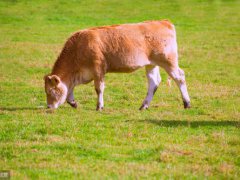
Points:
[(169, 81)]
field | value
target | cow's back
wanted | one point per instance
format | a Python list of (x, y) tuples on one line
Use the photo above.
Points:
[(121, 48), (130, 46)]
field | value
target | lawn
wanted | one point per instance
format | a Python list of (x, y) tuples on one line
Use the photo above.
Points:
[(121, 142)]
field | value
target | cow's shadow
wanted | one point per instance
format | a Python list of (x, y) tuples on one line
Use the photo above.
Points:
[(44, 108), (192, 124), (20, 108)]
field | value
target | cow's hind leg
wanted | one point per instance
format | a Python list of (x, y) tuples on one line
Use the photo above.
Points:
[(154, 79), (70, 99), (178, 76), (99, 87)]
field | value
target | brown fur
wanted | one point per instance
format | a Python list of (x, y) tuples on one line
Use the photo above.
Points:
[(111, 48), (91, 53)]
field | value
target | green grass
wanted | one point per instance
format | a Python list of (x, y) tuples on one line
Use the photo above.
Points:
[(121, 142)]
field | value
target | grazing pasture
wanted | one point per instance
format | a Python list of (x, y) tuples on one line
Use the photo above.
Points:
[(164, 141)]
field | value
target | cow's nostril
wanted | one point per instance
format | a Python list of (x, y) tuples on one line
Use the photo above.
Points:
[(48, 106)]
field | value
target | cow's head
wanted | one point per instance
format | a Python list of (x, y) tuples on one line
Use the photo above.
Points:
[(56, 91)]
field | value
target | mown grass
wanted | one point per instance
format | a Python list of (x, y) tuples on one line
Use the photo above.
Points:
[(165, 141)]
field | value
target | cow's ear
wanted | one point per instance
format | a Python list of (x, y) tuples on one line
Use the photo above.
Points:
[(53, 79), (45, 77)]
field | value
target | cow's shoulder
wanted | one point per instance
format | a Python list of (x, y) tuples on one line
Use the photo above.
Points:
[(83, 37)]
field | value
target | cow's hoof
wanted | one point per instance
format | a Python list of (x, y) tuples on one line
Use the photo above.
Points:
[(73, 104), (143, 107), (186, 105), (99, 108)]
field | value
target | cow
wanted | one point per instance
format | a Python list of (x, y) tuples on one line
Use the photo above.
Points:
[(91, 53)]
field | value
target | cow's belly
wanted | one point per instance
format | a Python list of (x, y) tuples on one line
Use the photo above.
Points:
[(127, 63), (123, 69)]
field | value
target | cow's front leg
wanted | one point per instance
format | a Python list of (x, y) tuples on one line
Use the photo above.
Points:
[(154, 79), (70, 99), (99, 87)]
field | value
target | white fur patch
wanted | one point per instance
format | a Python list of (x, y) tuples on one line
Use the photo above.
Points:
[(64, 96), (154, 80)]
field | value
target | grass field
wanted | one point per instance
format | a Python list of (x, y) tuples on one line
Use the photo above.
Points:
[(121, 142)]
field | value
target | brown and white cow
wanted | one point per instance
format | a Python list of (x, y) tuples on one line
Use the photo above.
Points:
[(91, 53)]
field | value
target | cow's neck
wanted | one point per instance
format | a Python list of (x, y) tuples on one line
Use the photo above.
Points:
[(70, 75), (64, 74)]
